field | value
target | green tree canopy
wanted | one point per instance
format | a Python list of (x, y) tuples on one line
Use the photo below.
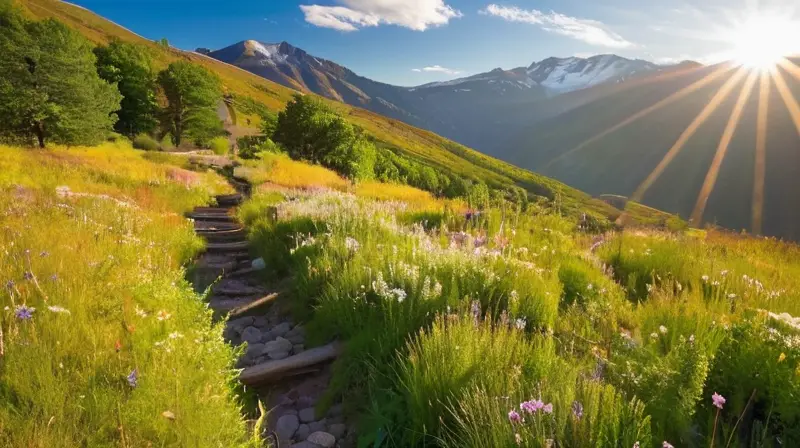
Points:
[(49, 86), (128, 65), (193, 94), (311, 131)]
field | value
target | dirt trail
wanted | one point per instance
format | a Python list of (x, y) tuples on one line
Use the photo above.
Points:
[(288, 378)]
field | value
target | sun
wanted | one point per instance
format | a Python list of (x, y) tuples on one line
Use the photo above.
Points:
[(761, 40)]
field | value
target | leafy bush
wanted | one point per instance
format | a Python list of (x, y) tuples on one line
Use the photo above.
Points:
[(146, 143), (220, 145), (167, 142)]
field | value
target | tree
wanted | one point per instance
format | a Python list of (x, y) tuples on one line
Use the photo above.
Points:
[(193, 94), (49, 87), (128, 66)]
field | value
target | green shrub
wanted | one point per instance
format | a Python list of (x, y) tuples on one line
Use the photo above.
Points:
[(146, 143), (167, 143), (220, 145)]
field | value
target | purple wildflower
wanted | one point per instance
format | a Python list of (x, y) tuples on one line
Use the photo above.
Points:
[(10, 284), (548, 408), (54, 277), (514, 417), (24, 312), (476, 310), (718, 400), (528, 407), (133, 378), (667, 445), (577, 409), (28, 275)]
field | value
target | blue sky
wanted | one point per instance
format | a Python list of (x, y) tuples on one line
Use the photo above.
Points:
[(411, 42)]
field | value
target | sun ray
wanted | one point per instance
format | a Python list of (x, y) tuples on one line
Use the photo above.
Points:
[(786, 94), (644, 112), (718, 98), (722, 150), (761, 155)]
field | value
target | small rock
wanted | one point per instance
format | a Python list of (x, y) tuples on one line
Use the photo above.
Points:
[(298, 348), (286, 426), (241, 323), (335, 420), (289, 412), (260, 322), (296, 338), (254, 350), (307, 415), (322, 439), (318, 426), (335, 410), (251, 334), (281, 329), (305, 444), (302, 432), (337, 430), (305, 402), (278, 355), (278, 345), (258, 264)]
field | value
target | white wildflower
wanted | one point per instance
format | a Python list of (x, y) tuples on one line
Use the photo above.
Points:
[(58, 309), (662, 329)]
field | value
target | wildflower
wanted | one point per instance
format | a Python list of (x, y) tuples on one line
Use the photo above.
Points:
[(528, 406), (691, 338), (117, 346), (731, 296), (24, 312), (724, 273), (54, 278), (399, 294), (58, 309), (514, 296), (705, 278), (666, 445), (782, 357), (548, 408), (518, 439), (163, 315), (140, 312), (476, 310), (28, 275), (10, 284), (636, 444), (649, 287), (44, 253), (718, 400), (133, 378), (589, 287), (662, 329), (577, 409), (351, 244), (175, 335), (520, 323), (653, 335), (514, 417), (169, 415)]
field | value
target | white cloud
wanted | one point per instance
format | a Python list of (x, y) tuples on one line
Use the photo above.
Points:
[(586, 30), (417, 15), (436, 69)]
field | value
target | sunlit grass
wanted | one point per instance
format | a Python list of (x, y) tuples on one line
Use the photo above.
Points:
[(280, 170), (100, 259)]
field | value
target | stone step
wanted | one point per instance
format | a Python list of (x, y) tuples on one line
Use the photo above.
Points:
[(201, 227), (238, 291), (236, 246), (224, 236), (220, 210), (229, 199)]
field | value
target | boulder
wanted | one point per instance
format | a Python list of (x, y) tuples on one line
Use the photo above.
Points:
[(251, 335), (307, 415), (302, 432), (286, 426), (281, 329), (338, 430), (322, 438)]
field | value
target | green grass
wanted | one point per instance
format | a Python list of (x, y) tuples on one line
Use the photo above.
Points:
[(101, 258)]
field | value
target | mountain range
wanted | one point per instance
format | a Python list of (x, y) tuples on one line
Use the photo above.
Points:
[(570, 118)]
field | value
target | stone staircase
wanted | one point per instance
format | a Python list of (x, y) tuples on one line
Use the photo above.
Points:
[(288, 377)]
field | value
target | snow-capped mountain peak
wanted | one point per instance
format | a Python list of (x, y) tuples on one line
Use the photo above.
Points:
[(573, 73)]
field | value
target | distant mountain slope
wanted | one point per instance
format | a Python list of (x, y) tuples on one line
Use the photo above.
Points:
[(585, 148), (390, 134), (478, 110)]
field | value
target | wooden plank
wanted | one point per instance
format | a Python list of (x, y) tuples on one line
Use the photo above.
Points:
[(271, 371), (235, 246), (255, 304)]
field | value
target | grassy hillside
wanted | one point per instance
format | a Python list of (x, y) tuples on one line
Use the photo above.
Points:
[(577, 148), (419, 144)]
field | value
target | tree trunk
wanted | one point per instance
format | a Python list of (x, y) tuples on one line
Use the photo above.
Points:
[(38, 129)]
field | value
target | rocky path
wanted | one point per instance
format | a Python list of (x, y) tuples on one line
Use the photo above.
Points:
[(288, 377)]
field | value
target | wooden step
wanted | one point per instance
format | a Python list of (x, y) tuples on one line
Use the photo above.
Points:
[(220, 210), (274, 370), (229, 199), (224, 236), (216, 226), (235, 246), (211, 217)]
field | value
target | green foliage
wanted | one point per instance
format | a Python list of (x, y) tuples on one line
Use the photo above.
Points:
[(146, 142), (193, 94), (50, 89), (478, 196), (220, 145), (311, 131), (251, 146), (129, 66)]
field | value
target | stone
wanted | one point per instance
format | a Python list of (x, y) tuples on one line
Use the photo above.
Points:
[(278, 355), (251, 334), (296, 338), (298, 348), (260, 322), (305, 402), (335, 410), (322, 438), (335, 420), (240, 323), (307, 415), (318, 426), (278, 345), (305, 444), (289, 412), (302, 432), (338, 430), (281, 329), (254, 350), (286, 427)]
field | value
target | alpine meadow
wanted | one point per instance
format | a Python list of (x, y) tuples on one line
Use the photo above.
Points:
[(244, 245)]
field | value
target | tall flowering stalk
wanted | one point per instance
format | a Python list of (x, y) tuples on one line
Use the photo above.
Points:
[(718, 401)]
